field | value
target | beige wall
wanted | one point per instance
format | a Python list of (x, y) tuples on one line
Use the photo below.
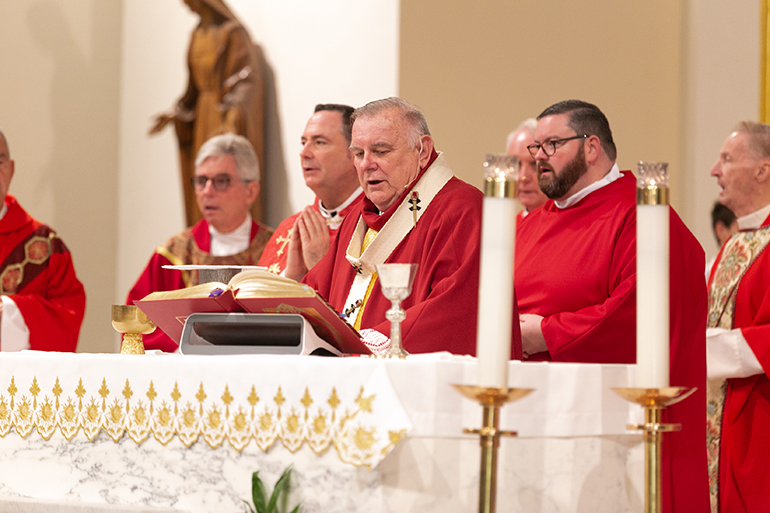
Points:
[(667, 73), (59, 73)]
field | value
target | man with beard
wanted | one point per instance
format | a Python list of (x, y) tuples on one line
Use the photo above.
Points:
[(576, 280)]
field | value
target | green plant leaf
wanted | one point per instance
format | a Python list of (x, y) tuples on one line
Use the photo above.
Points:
[(282, 487), (258, 493), (251, 509)]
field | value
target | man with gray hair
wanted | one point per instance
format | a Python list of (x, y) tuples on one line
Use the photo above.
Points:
[(530, 195), (42, 302), (415, 211), (738, 335), (226, 183)]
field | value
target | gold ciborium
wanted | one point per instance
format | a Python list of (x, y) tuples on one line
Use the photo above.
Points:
[(132, 322)]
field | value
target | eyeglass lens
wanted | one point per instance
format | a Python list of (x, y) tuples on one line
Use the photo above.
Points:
[(220, 182)]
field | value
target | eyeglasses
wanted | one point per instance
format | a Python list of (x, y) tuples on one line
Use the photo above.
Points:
[(549, 147), (220, 182)]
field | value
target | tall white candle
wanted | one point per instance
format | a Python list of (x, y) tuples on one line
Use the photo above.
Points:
[(652, 276), (498, 234)]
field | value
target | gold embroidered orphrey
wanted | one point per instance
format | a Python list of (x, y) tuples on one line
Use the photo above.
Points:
[(341, 424), (739, 254), (36, 251)]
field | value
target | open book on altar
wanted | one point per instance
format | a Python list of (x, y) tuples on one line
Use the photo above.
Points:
[(252, 291)]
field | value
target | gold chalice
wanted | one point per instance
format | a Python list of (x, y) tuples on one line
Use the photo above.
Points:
[(132, 322)]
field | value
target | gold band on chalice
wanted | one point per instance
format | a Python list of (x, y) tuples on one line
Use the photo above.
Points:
[(501, 173), (652, 183)]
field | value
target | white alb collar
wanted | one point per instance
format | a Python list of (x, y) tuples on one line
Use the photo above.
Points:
[(226, 244), (755, 219), (610, 177)]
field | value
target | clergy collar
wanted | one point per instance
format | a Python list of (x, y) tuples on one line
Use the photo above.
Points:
[(376, 219), (331, 213), (3, 210), (755, 219), (610, 177)]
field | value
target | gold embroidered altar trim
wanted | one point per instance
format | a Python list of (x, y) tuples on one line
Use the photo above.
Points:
[(239, 417)]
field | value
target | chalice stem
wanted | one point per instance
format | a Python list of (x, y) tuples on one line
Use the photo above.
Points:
[(396, 316)]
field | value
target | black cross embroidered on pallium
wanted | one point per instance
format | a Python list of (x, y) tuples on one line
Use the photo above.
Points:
[(352, 308)]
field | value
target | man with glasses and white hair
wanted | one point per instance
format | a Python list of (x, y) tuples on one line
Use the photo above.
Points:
[(530, 195), (415, 211), (576, 280), (226, 183)]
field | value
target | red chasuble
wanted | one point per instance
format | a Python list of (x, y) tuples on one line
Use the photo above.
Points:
[(744, 472), (577, 268), (38, 275), (190, 247), (277, 249), (442, 309)]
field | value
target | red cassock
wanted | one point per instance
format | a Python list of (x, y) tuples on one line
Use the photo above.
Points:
[(744, 472), (38, 275), (277, 249), (577, 268), (442, 309), (190, 247)]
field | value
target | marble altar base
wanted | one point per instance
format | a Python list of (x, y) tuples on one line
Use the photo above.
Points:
[(596, 474)]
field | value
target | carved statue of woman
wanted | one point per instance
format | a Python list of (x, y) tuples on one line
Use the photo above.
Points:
[(225, 93)]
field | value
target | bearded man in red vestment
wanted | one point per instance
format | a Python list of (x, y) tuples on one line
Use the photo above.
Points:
[(530, 195), (226, 183), (415, 211), (576, 280), (738, 337), (43, 302), (329, 172)]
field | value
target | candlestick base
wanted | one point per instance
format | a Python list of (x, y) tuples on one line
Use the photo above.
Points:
[(654, 401), (491, 399)]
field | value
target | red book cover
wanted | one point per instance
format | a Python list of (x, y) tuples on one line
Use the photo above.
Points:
[(326, 322), (254, 291), (169, 314)]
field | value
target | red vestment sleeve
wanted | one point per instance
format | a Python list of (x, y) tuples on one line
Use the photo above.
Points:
[(53, 305), (155, 278), (598, 333), (755, 320)]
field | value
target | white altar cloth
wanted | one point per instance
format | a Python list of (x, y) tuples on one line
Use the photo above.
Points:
[(185, 433)]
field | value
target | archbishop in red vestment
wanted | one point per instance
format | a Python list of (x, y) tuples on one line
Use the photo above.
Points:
[(38, 275), (441, 311)]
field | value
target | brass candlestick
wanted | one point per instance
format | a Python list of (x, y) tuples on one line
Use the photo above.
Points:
[(491, 400), (132, 322), (654, 401)]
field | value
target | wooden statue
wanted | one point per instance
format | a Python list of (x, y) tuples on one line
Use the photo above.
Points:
[(225, 93)]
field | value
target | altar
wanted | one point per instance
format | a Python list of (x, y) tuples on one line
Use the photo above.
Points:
[(164, 432)]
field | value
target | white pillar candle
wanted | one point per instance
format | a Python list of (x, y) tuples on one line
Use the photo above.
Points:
[(498, 230), (652, 277)]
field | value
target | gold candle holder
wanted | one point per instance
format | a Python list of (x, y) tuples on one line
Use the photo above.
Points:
[(501, 176), (654, 401), (491, 400), (132, 322)]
